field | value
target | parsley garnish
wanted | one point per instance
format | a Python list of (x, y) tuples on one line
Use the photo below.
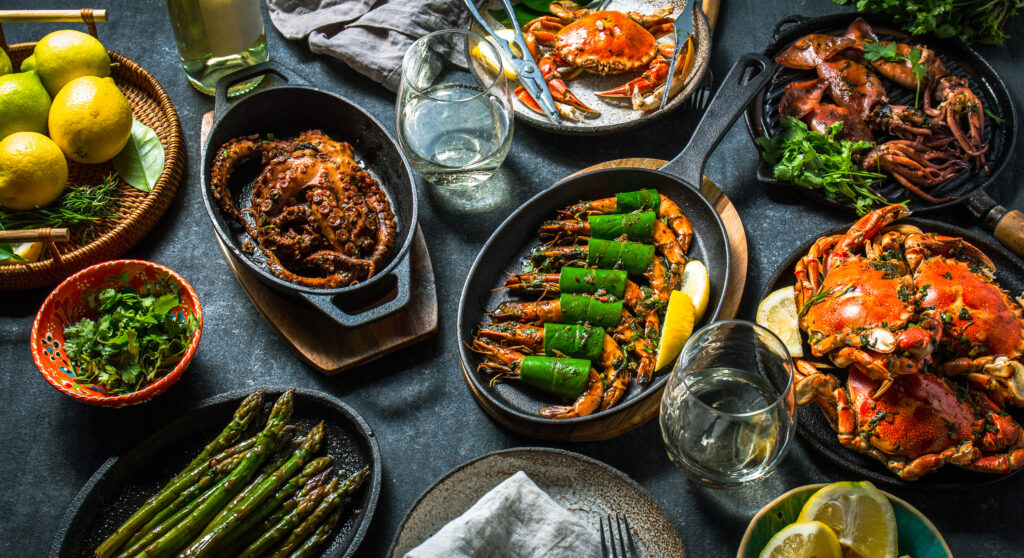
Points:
[(135, 338)]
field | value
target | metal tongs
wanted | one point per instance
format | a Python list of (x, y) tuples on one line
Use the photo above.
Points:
[(529, 74), (682, 30)]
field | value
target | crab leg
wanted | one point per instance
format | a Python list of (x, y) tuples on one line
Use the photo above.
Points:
[(548, 65)]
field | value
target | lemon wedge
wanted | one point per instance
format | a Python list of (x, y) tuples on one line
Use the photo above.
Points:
[(697, 285), (859, 514), (777, 312), (485, 55), (28, 250), (679, 319), (803, 540)]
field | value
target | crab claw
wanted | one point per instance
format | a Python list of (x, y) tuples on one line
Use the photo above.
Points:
[(563, 99)]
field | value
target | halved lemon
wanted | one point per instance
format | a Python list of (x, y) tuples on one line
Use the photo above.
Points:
[(803, 540), (777, 312), (28, 250), (679, 319), (859, 514), (697, 285), (485, 55)]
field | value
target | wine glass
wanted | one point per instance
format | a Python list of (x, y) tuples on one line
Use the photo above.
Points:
[(722, 421), (454, 111)]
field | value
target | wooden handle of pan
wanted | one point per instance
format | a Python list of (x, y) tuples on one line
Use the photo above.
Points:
[(36, 235), (710, 8), (1010, 231)]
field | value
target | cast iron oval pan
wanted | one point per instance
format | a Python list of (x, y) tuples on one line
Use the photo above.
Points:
[(763, 114), (811, 424), (679, 180), (285, 111), (124, 482)]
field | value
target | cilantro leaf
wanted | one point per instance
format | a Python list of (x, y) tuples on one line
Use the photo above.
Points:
[(135, 338)]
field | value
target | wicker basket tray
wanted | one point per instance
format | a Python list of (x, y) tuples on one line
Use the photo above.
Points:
[(138, 211)]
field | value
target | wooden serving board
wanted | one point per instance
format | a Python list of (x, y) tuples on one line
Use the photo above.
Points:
[(323, 343), (620, 423)]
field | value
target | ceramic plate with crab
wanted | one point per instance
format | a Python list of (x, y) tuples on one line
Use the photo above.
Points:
[(918, 422), (613, 114)]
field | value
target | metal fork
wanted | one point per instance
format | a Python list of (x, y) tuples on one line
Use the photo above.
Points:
[(621, 546), (699, 99)]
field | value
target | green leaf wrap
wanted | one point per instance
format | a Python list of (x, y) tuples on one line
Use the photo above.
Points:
[(636, 226), (612, 254), (589, 281), (562, 376), (640, 200), (579, 309), (575, 341)]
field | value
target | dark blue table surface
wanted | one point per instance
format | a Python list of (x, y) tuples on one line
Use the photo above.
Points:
[(415, 399)]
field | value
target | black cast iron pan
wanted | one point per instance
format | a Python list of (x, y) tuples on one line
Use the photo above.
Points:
[(966, 189), (285, 111), (124, 482), (813, 427), (679, 180)]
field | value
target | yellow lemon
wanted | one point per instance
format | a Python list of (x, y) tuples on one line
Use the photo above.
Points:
[(5, 63), (28, 251), (679, 319), (24, 104), (777, 312), (65, 55), (812, 539), (485, 55), (28, 63), (859, 514), (697, 285), (90, 119), (33, 171)]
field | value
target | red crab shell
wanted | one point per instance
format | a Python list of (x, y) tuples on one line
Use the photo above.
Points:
[(606, 42), (977, 316), (865, 297), (920, 414)]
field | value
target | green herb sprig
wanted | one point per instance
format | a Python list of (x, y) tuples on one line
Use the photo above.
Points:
[(889, 51), (79, 206), (971, 21), (819, 161), (135, 339)]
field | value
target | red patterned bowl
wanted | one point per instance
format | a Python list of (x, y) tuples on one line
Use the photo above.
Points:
[(66, 305)]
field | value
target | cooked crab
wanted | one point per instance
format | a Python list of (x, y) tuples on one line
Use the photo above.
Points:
[(604, 42), (920, 424), (858, 304)]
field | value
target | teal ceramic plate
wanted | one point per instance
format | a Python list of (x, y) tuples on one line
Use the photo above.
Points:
[(918, 538)]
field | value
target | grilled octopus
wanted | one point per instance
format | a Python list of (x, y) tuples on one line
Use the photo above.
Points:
[(319, 218)]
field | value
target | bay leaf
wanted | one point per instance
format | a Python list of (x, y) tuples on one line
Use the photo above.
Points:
[(141, 161)]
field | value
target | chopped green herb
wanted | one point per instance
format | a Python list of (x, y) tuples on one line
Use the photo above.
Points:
[(971, 21), (818, 161), (134, 340)]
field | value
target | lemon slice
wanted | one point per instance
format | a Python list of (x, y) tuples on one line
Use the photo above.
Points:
[(485, 56), (860, 515), (803, 540), (28, 250), (697, 285), (777, 312), (679, 319)]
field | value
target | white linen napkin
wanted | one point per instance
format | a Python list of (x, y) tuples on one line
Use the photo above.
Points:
[(371, 36), (516, 519)]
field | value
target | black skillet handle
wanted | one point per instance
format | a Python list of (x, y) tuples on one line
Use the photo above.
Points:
[(220, 99), (326, 304), (785, 22), (729, 101)]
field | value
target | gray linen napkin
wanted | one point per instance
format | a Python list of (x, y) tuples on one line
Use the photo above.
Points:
[(516, 519), (371, 36)]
